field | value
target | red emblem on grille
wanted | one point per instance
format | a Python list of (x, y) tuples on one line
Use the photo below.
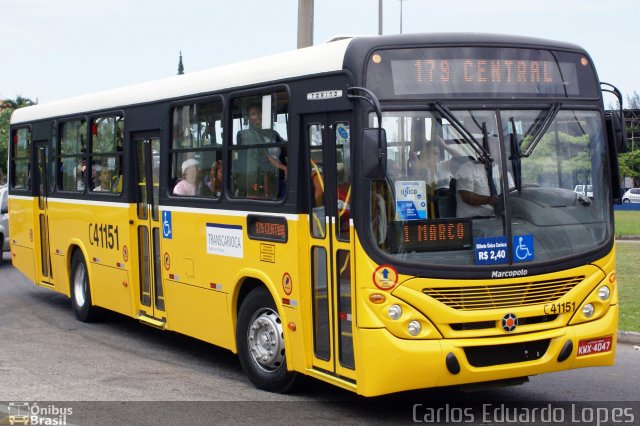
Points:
[(509, 322)]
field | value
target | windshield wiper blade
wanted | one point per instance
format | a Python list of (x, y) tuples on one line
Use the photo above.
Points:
[(515, 157), (483, 154), (539, 129), (493, 191)]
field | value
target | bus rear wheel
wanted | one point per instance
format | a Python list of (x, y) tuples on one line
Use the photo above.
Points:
[(83, 308), (260, 341)]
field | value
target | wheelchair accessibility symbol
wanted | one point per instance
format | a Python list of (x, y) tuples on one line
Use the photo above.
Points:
[(522, 248), (167, 231)]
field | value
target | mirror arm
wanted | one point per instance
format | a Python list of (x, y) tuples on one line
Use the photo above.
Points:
[(368, 96), (610, 88)]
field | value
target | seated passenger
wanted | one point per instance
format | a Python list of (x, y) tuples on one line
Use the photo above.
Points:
[(271, 161), (187, 186), (474, 196), (104, 179), (213, 185)]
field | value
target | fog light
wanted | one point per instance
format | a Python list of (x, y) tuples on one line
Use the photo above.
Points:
[(395, 312), (587, 310), (414, 328), (604, 292)]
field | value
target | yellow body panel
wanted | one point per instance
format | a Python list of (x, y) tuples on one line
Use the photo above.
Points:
[(21, 222), (201, 292), (199, 313)]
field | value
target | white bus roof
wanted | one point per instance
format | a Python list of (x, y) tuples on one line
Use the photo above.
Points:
[(312, 60)]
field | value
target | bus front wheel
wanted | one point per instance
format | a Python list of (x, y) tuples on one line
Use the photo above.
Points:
[(80, 290), (260, 340)]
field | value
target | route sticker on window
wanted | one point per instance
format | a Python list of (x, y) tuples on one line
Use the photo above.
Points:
[(411, 200), (491, 250)]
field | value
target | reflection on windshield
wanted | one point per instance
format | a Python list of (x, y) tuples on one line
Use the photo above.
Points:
[(443, 203)]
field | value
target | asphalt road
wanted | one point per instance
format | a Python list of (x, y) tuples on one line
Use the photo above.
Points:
[(46, 355)]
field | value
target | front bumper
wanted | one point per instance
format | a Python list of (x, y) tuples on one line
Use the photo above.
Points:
[(388, 364)]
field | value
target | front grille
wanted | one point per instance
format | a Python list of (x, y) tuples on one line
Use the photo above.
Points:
[(483, 325), (503, 296), (478, 325), (486, 356)]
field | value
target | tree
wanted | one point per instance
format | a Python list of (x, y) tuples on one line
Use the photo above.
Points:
[(180, 65), (629, 164), (6, 109), (18, 102), (633, 101)]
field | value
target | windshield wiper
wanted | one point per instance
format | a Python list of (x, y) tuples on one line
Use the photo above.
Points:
[(515, 157), (493, 192), (482, 152), (539, 128)]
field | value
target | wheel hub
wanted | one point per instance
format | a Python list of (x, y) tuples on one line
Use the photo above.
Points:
[(79, 279), (265, 340)]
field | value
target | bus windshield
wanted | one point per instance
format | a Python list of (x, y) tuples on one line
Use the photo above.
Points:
[(443, 203)]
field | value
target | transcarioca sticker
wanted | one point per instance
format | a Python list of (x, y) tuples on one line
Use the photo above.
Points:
[(385, 277)]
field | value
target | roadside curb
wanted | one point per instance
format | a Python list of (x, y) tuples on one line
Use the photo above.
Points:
[(629, 337)]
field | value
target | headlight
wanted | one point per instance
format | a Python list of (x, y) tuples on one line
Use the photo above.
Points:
[(604, 292), (395, 312), (587, 310), (414, 328)]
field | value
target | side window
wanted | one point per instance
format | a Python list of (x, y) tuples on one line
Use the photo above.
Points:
[(72, 156), (343, 173), (106, 154), (259, 146), (196, 150), (21, 159)]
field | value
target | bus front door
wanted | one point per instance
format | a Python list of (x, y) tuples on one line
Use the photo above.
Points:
[(43, 257), (329, 183), (147, 232)]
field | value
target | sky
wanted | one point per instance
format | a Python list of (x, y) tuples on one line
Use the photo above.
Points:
[(55, 49)]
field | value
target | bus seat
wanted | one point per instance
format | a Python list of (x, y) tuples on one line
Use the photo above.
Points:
[(447, 203)]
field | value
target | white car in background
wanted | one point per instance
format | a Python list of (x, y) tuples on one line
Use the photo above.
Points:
[(631, 196), (586, 190)]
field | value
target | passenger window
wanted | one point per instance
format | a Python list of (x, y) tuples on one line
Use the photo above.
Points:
[(72, 156), (259, 146), (197, 150), (21, 164), (106, 154)]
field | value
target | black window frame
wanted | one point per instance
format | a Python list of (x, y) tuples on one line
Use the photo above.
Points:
[(59, 156), (216, 148), (26, 159), (118, 154)]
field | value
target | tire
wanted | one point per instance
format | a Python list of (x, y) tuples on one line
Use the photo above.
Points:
[(81, 302), (260, 341), (626, 201)]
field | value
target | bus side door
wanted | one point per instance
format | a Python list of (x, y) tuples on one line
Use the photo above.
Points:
[(146, 148), (43, 254), (329, 184)]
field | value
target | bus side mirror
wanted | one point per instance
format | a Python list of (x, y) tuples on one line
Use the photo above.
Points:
[(616, 131), (374, 153), (616, 142)]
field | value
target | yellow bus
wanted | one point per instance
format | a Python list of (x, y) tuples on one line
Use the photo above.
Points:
[(379, 213)]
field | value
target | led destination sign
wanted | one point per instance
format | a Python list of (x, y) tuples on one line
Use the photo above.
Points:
[(267, 228), (430, 235), (497, 72)]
